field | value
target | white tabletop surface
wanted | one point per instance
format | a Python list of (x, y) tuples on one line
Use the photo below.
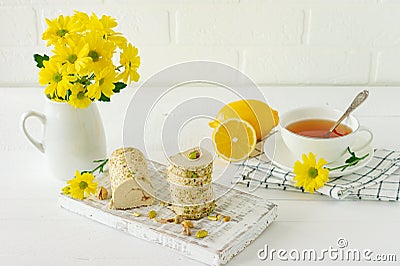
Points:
[(34, 230)]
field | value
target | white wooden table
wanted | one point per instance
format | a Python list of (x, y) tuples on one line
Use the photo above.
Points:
[(34, 230)]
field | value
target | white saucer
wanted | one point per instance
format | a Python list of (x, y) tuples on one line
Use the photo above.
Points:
[(277, 152)]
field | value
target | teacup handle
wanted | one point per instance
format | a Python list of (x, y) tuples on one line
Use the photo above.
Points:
[(38, 144), (369, 140)]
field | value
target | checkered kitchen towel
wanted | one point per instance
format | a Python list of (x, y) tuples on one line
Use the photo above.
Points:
[(378, 180)]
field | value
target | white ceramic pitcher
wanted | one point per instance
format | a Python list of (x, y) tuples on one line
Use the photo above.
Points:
[(73, 138)]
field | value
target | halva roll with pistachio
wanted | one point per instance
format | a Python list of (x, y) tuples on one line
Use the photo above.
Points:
[(130, 180), (189, 175)]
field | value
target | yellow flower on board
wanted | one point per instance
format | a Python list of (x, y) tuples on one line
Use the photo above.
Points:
[(82, 185), (56, 78), (78, 97), (66, 190), (130, 60), (311, 175), (60, 30), (104, 83), (75, 56)]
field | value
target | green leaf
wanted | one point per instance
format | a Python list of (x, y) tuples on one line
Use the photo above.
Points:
[(351, 159), (104, 98), (39, 60), (118, 86), (101, 170), (69, 92)]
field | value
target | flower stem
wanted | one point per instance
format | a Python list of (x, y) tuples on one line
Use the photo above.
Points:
[(351, 161), (100, 167)]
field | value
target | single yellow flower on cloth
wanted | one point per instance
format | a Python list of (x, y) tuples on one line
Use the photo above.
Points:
[(311, 175), (75, 56), (60, 30), (82, 185), (78, 97), (131, 61), (104, 83), (55, 76)]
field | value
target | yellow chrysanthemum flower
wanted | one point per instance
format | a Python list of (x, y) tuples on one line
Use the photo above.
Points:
[(82, 185), (104, 26), (78, 97), (100, 50), (55, 76), (311, 175), (131, 61), (82, 69), (82, 19), (108, 23), (60, 30), (104, 83), (117, 38), (75, 56), (66, 190)]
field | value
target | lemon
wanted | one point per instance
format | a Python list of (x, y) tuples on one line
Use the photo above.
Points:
[(262, 117), (234, 139)]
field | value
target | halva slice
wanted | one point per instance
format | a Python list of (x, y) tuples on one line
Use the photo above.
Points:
[(130, 180), (189, 175)]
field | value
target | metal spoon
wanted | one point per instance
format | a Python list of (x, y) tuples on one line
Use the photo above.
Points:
[(358, 100)]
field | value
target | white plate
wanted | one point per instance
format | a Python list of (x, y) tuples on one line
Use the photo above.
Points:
[(276, 151)]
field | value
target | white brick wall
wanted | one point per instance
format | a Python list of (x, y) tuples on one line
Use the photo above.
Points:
[(275, 42), (307, 65), (18, 25), (238, 25)]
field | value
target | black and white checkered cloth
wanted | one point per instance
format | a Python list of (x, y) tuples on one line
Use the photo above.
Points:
[(378, 180)]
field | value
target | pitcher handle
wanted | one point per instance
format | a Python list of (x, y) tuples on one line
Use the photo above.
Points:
[(38, 144)]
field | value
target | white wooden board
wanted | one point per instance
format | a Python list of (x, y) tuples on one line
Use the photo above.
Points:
[(250, 216)]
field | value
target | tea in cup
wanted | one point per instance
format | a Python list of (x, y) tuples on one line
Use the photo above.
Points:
[(304, 130)]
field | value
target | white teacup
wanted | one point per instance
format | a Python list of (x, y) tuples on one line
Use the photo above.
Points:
[(330, 149)]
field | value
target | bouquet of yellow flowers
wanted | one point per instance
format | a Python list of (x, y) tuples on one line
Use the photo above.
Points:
[(82, 69)]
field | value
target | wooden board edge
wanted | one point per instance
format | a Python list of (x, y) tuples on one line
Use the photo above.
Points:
[(191, 251), (251, 235)]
